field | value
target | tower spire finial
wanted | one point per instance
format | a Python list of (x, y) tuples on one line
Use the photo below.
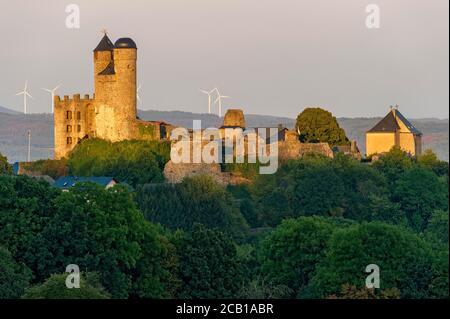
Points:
[(394, 107), (104, 31)]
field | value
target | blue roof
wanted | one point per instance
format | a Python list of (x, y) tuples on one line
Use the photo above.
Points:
[(15, 168), (70, 181)]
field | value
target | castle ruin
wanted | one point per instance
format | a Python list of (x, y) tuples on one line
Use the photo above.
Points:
[(111, 114)]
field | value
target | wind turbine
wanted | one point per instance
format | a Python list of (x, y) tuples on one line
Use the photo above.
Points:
[(219, 99), (209, 98), (52, 92), (25, 95)]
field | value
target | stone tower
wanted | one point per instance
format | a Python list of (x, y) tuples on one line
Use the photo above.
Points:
[(125, 56), (115, 88), (112, 113)]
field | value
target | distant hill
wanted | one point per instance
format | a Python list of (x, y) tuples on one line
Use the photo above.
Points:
[(14, 127), (7, 111)]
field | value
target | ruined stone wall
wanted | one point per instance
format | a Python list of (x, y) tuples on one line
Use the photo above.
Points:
[(290, 149)]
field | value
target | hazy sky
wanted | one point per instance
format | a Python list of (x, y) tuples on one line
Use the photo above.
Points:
[(272, 56)]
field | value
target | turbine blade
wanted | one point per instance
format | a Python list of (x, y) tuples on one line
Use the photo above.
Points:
[(20, 93)]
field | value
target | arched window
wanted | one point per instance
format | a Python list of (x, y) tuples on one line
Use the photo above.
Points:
[(69, 115), (69, 129), (69, 140)]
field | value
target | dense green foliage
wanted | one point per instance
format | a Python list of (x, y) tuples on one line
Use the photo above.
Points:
[(14, 277), (103, 231), (209, 265), (133, 162), (99, 230), (307, 231), (405, 260), (52, 168), (317, 185), (419, 192), (5, 168), (290, 253), (196, 200), (55, 288), (318, 125)]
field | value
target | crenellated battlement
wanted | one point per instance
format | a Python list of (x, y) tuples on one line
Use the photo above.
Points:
[(76, 98)]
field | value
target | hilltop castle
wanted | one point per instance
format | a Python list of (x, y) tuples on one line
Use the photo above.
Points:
[(111, 113)]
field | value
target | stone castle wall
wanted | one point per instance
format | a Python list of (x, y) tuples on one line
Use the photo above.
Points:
[(73, 120)]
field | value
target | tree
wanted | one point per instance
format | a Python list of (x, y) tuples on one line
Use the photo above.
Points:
[(26, 206), (52, 168), (55, 288), (317, 185), (393, 164), (133, 162), (290, 254), (430, 161), (103, 231), (405, 261), (319, 126), (420, 192), (5, 168), (209, 266), (14, 277), (437, 229), (196, 200)]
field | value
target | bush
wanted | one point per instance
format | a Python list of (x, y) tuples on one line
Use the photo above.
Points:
[(209, 265), (133, 162), (14, 277), (290, 254), (196, 200), (52, 168), (405, 261), (5, 168), (55, 288)]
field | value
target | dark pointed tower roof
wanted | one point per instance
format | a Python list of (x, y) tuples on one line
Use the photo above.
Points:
[(389, 123), (105, 44)]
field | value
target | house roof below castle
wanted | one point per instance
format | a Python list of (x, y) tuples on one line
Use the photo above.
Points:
[(66, 182)]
